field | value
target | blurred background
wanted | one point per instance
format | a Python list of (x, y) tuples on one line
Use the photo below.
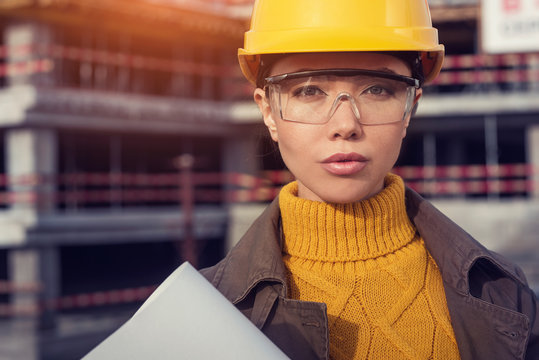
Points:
[(129, 143)]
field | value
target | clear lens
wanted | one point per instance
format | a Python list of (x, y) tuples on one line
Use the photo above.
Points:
[(314, 99)]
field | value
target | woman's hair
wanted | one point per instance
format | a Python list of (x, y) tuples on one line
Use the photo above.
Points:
[(412, 58)]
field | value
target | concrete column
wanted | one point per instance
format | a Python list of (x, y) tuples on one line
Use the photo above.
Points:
[(24, 34), (40, 267), (532, 138), (23, 268), (240, 155), (17, 36), (31, 164)]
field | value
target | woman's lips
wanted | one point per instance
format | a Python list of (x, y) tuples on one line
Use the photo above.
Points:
[(344, 164)]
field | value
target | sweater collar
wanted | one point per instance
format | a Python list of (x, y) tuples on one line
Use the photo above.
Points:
[(358, 231)]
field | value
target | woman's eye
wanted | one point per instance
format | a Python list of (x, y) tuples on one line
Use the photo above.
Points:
[(378, 91), (309, 90)]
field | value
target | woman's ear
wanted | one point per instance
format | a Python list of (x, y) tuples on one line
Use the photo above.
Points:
[(263, 104)]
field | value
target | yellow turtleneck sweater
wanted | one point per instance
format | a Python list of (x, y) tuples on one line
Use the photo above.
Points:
[(383, 291)]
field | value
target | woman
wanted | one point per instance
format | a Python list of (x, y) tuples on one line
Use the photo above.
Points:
[(347, 263)]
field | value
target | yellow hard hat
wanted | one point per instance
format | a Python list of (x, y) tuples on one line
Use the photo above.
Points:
[(299, 26)]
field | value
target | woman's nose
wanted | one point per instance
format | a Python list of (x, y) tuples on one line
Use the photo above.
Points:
[(344, 119)]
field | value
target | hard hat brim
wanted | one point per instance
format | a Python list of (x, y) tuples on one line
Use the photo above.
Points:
[(424, 40)]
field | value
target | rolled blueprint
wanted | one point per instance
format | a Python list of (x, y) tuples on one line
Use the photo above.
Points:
[(186, 318)]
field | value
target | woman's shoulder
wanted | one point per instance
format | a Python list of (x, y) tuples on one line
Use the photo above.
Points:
[(255, 258)]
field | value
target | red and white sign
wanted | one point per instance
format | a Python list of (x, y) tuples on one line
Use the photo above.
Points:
[(510, 26)]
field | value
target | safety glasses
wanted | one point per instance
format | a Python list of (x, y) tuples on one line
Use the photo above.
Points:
[(312, 97)]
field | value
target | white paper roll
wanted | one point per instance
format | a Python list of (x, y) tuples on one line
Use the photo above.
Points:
[(187, 318)]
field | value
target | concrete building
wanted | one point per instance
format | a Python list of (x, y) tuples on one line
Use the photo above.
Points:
[(94, 92), (99, 98)]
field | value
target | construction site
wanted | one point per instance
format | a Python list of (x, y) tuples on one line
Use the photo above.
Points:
[(129, 143)]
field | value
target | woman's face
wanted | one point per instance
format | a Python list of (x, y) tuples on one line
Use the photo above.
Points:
[(341, 161)]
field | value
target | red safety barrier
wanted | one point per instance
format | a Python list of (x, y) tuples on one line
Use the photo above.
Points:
[(101, 298), (486, 76), (458, 69), (120, 59), (15, 50), (239, 196), (267, 178), (128, 188), (485, 68), (130, 179), (7, 287), (279, 176), (80, 301), (472, 187), (465, 171), (27, 67), (487, 60), (137, 196)]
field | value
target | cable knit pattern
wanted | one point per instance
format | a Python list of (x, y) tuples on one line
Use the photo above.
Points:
[(383, 290)]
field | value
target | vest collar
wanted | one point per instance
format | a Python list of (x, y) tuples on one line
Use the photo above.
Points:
[(256, 258), (453, 249)]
